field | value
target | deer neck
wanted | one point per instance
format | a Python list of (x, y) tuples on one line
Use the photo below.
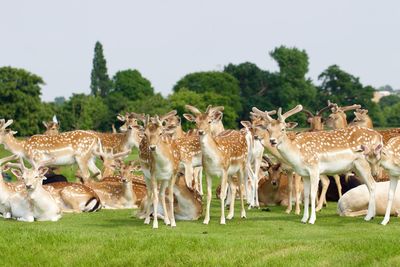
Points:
[(14, 145), (289, 151), (131, 139), (127, 192), (163, 152), (209, 146), (179, 133)]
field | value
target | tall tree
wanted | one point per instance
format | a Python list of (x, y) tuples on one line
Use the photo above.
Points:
[(132, 85), (20, 99), (100, 83)]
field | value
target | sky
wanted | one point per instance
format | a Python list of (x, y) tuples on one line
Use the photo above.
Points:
[(166, 40)]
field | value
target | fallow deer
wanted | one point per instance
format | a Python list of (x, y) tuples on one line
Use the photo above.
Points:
[(159, 159), (65, 148), (362, 119), (13, 196), (224, 155), (338, 119), (44, 206), (52, 127), (314, 153)]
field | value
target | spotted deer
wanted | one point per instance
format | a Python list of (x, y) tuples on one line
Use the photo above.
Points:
[(338, 119), (13, 196), (65, 148), (109, 161), (44, 206), (159, 159), (361, 118), (314, 153), (127, 139), (317, 124), (261, 134), (52, 127), (224, 155)]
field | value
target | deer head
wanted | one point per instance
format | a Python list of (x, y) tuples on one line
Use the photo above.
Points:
[(204, 120), (52, 127), (32, 178), (3, 129), (277, 128), (274, 171), (130, 121), (338, 118), (126, 169), (316, 121), (155, 129)]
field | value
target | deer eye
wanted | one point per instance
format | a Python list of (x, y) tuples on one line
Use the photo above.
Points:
[(283, 129), (209, 121)]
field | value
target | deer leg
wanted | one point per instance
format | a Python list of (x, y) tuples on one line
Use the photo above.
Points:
[(171, 200), (392, 190), (82, 164), (314, 178), (307, 188), (224, 183), (209, 192), (189, 175), (233, 190), (93, 168), (147, 207), (363, 169), (200, 177), (322, 198), (297, 181), (155, 201), (161, 195), (290, 189), (257, 166), (251, 195), (338, 184), (243, 179)]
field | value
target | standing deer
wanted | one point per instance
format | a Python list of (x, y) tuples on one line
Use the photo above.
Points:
[(314, 153), (338, 119), (159, 159), (65, 148), (362, 119), (224, 155)]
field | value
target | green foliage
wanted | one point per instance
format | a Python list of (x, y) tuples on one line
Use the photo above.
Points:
[(100, 83), (132, 85), (155, 104), (82, 112), (388, 101), (215, 88), (20, 99)]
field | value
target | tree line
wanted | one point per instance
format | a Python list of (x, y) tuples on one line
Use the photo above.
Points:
[(238, 88)]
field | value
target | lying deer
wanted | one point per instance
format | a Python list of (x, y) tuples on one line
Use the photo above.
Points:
[(13, 196), (65, 148), (44, 206), (314, 153), (224, 155)]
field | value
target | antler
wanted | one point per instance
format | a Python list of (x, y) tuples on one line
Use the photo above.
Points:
[(6, 159), (193, 109), (268, 160), (309, 113), (289, 113), (141, 116), (4, 124), (347, 108), (168, 115), (55, 119), (210, 109), (323, 110), (362, 111), (264, 114)]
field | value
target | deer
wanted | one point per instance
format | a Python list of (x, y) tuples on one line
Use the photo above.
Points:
[(317, 124), (128, 138), (52, 127), (256, 152), (187, 206), (65, 148), (159, 159), (13, 196), (44, 206), (362, 119), (224, 155), (314, 153), (109, 161), (263, 136)]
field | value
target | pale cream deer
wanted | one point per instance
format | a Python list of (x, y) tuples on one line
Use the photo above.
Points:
[(314, 153), (361, 118), (52, 127)]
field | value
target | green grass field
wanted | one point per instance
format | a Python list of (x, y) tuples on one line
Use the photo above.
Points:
[(272, 238)]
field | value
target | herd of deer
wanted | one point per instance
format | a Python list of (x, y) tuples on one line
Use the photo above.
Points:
[(172, 159)]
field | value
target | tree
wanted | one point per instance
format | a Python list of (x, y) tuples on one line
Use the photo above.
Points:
[(20, 99), (219, 87), (100, 82), (389, 100), (132, 85), (59, 100)]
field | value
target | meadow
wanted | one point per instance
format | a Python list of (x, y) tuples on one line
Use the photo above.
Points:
[(268, 237)]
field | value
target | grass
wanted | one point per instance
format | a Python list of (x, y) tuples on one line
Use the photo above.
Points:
[(265, 238)]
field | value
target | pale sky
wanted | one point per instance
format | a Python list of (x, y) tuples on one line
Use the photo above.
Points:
[(165, 40)]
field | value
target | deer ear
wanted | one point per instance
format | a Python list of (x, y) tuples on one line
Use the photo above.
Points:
[(291, 125), (218, 116), (378, 149), (17, 173), (309, 120), (44, 123), (246, 124), (43, 171), (189, 117)]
